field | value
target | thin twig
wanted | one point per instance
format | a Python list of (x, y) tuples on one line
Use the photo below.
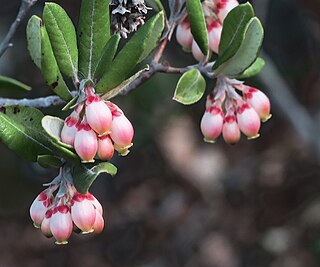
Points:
[(23, 10)]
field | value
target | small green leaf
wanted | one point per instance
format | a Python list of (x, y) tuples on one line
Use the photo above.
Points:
[(253, 70), (107, 55), (137, 49), (248, 51), (62, 37), (49, 161), (70, 104), (155, 4), (233, 32), (190, 87), (114, 92), (198, 24), (34, 39), (84, 176), (8, 85), (53, 127), (93, 34), (49, 67)]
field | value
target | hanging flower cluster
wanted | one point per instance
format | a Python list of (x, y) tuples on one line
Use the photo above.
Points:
[(60, 210), (97, 128), (127, 15), (215, 12), (232, 108)]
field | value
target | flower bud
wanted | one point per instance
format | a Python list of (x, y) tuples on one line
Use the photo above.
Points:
[(196, 52), (83, 213), (98, 115), (105, 148), (61, 225), (248, 120), (69, 129), (231, 131), (259, 101), (98, 223), (211, 123), (184, 36), (45, 225), (86, 143), (214, 35), (121, 132), (39, 208), (224, 7), (95, 202)]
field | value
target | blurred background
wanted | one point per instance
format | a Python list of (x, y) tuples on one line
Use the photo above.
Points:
[(177, 201)]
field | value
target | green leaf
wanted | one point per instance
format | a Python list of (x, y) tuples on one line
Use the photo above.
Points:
[(233, 32), (70, 104), (21, 131), (62, 37), (49, 161), (49, 67), (137, 49), (190, 87), (253, 70), (107, 55), (155, 4), (114, 92), (8, 85), (93, 34), (34, 39), (198, 24), (84, 176), (248, 51)]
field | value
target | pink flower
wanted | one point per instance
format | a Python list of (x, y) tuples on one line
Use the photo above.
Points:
[(69, 129), (86, 143), (211, 123), (248, 120), (214, 35), (45, 225), (184, 36), (105, 147), (39, 208), (98, 223), (224, 7), (231, 132), (61, 225), (95, 203)]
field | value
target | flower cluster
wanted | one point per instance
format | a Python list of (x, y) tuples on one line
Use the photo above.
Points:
[(215, 12), (229, 112), (60, 210), (127, 15), (97, 128)]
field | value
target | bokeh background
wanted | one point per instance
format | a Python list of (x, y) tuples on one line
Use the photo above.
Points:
[(177, 201)]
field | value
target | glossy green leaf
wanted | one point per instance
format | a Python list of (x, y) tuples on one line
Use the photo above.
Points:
[(233, 31), (34, 39), (93, 34), (21, 131), (107, 55), (62, 37), (135, 50), (253, 70), (198, 24), (8, 85), (84, 176), (190, 87), (248, 51), (49, 67), (156, 5), (49, 161)]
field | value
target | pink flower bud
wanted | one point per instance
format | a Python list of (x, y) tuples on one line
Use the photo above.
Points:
[(98, 223), (196, 52), (214, 35), (231, 131), (211, 123), (69, 129), (248, 120), (224, 7), (210, 100), (95, 202), (45, 225), (39, 208), (83, 213), (61, 225), (259, 101), (86, 143), (184, 36), (121, 132), (105, 148), (98, 115)]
